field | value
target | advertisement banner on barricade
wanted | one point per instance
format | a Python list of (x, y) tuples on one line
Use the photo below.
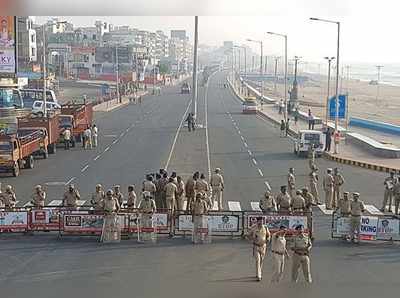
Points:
[(218, 223), (160, 220), (45, 219), (341, 227), (388, 229), (86, 223), (368, 228), (274, 222), (14, 221)]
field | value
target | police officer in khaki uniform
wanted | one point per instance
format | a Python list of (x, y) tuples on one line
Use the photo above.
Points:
[(357, 209), (131, 203), (345, 205), (38, 197), (301, 256), (170, 193), (190, 190), (147, 208), (298, 204), (200, 209), (267, 203), (71, 196), (162, 182), (310, 202), (98, 197), (314, 184), (118, 194), (388, 195), (328, 188), (283, 200), (396, 194), (338, 182), (180, 193), (149, 186), (259, 235), (110, 204), (202, 185), (291, 182), (279, 251), (111, 230), (217, 185), (8, 197)]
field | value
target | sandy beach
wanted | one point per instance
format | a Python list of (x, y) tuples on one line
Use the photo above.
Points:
[(362, 98)]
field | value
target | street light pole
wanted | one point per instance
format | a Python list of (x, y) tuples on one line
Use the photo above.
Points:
[(337, 72), (276, 73), (117, 73), (44, 72), (194, 97), (261, 64), (379, 67), (329, 81)]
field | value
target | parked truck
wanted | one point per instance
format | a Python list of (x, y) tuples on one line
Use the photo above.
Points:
[(18, 150), (49, 124), (76, 117)]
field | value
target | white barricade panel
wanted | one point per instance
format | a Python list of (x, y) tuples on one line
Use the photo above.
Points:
[(215, 206), (55, 203), (323, 209), (255, 206), (373, 210), (234, 206), (29, 204)]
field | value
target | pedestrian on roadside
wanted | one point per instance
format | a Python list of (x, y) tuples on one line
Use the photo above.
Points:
[(95, 132), (87, 138), (310, 120), (388, 195), (98, 197), (283, 128), (281, 106), (67, 138), (287, 126), (191, 122), (328, 139), (327, 184), (118, 195), (279, 252), (396, 195), (296, 115)]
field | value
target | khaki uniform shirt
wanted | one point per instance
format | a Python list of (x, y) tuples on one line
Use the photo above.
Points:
[(149, 186), (38, 199), (313, 177), (345, 206), (291, 181), (97, 198), (259, 235), (131, 199), (147, 206), (283, 201), (309, 200), (338, 180), (180, 191), (9, 199), (202, 186), (389, 183), (328, 182), (278, 244), (298, 203), (120, 197), (357, 208), (302, 243), (110, 205), (217, 181), (268, 203), (189, 187), (200, 207), (70, 198), (170, 190)]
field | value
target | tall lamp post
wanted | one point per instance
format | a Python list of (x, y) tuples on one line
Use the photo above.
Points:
[(337, 72), (276, 72), (261, 63), (330, 59), (286, 69), (379, 67), (245, 59)]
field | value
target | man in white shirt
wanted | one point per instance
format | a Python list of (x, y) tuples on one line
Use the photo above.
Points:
[(67, 138), (88, 138), (94, 135)]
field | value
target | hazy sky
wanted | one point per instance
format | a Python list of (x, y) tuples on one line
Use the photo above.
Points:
[(368, 27)]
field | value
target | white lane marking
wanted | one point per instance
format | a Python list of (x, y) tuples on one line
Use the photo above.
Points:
[(84, 168), (373, 210), (239, 132), (55, 203), (97, 157), (242, 138), (122, 134), (115, 142), (80, 202), (54, 183), (249, 152), (245, 144), (108, 148), (127, 129), (109, 136), (29, 204), (254, 161), (268, 186), (255, 206), (323, 209), (234, 206), (261, 173), (70, 180), (176, 136)]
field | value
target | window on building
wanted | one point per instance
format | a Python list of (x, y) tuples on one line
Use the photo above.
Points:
[(33, 52), (94, 36), (33, 38)]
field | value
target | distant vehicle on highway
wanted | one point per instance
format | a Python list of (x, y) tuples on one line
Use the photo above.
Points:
[(31, 95), (307, 138), (37, 107), (250, 105), (185, 88)]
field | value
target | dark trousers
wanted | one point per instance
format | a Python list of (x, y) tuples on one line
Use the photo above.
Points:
[(191, 126), (66, 144)]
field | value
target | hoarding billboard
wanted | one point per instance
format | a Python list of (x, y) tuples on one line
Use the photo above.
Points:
[(7, 46)]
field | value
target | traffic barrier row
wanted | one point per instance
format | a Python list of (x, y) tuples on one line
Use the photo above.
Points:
[(382, 227), (86, 221)]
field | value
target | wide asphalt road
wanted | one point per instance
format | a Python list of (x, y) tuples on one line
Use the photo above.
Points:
[(250, 152)]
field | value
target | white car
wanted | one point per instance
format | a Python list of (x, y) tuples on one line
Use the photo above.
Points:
[(306, 138), (37, 107), (250, 107)]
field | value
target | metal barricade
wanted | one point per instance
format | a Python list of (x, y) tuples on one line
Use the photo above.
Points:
[(201, 229), (111, 232), (147, 228)]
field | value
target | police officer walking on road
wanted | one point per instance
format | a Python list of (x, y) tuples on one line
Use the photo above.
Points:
[(314, 184), (191, 122), (259, 235), (279, 252), (388, 195), (217, 185), (357, 209), (301, 256), (291, 182), (328, 188), (71, 196), (38, 197), (338, 182)]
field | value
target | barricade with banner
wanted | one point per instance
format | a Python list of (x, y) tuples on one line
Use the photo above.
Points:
[(371, 228), (14, 221), (275, 221)]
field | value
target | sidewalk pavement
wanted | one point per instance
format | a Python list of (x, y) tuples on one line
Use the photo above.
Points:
[(113, 104), (348, 154)]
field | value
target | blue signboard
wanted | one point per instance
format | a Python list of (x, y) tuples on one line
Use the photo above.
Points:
[(342, 107), (104, 89)]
